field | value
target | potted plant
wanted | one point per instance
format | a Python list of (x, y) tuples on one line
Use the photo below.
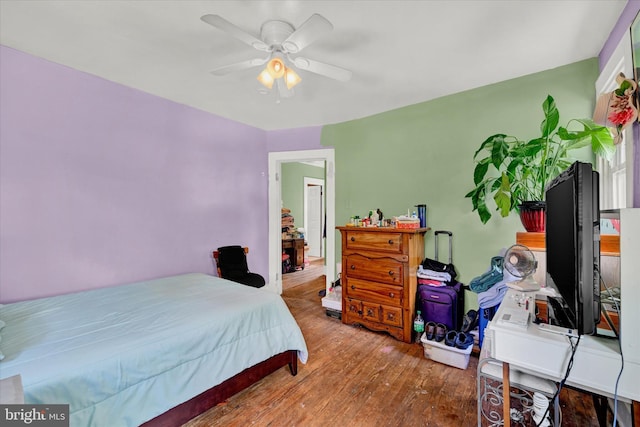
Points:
[(514, 172)]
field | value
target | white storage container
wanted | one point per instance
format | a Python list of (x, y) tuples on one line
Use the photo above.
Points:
[(440, 352)]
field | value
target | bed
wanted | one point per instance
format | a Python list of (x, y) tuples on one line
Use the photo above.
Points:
[(157, 352)]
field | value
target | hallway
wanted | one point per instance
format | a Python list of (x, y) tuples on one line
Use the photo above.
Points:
[(314, 270)]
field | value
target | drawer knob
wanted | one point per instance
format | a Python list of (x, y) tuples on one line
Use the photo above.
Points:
[(353, 239), (353, 287), (391, 295), (391, 273), (353, 267), (390, 242)]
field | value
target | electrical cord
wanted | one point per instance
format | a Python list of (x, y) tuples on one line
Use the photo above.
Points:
[(574, 347), (614, 300), (615, 393), (573, 352)]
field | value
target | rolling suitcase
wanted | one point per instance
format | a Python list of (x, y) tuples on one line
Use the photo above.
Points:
[(435, 264), (443, 304)]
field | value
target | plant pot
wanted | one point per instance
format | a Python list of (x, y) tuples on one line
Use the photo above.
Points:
[(532, 215)]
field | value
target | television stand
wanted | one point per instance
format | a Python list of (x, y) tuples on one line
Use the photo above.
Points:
[(546, 355), (538, 352)]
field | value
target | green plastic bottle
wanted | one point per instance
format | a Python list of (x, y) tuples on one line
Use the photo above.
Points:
[(418, 326)]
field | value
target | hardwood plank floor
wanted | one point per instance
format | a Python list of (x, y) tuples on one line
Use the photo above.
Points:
[(356, 377), (311, 272)]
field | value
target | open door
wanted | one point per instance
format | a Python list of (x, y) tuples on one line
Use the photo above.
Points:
[(275, 196)]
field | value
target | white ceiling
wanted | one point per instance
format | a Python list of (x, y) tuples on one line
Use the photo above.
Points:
[(400, 52)]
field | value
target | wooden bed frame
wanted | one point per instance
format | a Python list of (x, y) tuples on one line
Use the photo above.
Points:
[(206, 400)]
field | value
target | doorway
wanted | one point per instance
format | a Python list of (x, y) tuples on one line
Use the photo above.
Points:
[(276, 159)]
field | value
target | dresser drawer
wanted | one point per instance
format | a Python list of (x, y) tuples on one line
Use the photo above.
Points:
[(387, 242), (391, 316), (371, 311), (357, 310), (384, 270), (373, 291), (353, 309)]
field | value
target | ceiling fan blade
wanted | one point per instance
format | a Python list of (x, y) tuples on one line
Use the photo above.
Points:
[(323, 69), (312, 29), (243, 65), (224, 25)]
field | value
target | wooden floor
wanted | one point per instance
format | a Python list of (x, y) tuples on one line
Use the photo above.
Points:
[(355, 377), (311, 272)]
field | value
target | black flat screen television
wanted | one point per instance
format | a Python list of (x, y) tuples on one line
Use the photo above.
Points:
[(573, 248)]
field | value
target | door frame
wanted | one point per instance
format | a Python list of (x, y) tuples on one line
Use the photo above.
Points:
[(275, 214), (313, 182)]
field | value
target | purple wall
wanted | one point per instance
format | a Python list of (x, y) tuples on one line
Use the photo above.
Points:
[(104, 185), (624, 23)]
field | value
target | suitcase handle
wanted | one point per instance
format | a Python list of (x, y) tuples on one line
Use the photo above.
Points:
[(450, 234)]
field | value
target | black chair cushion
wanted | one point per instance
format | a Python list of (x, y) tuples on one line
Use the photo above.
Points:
[(232, 261), (250, 279)]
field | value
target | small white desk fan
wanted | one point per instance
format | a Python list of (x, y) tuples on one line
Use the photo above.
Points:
[(520, 262)]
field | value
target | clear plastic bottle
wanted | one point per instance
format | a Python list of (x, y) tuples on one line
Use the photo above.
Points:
[(418, 326)]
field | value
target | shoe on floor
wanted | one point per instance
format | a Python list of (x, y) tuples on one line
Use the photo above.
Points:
[(430, 330), (450, 338), (441, 331), (463, 341), (470, 321)]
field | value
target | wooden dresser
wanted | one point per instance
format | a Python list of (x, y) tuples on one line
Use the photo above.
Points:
[(379, 281)]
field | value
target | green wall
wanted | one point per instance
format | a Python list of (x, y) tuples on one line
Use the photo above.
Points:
[(292, 179), (423, 154)]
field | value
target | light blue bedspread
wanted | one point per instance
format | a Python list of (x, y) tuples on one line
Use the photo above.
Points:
[(123, 355)]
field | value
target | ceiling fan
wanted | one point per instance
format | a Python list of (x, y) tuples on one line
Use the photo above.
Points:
[(280, 41)]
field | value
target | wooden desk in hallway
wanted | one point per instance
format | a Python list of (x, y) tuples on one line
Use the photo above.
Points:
[(295, 249)]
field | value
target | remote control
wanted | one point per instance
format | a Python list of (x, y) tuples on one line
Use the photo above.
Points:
[(558, 330)]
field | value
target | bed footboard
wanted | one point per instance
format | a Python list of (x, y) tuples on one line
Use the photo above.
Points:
[(182, 413)]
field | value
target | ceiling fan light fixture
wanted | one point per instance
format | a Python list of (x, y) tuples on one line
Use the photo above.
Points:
[(276, 68), (266, 79), (291, 78)]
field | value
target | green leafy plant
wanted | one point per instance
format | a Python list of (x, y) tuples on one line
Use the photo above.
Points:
[(514, 171)]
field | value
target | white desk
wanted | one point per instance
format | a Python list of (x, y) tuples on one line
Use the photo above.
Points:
[(597, 361), (595, 367)]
